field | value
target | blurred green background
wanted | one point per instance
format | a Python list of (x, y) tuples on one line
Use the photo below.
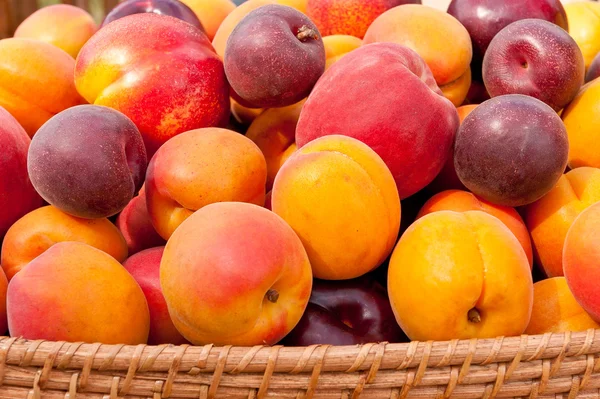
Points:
[(96, 7)]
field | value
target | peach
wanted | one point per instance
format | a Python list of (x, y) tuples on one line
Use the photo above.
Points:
[(436, 36), (64, 26), (584, 27), (88, 161), (211, 13), (447, 179), (36, 81), (550, 218), (340, 198), (235, 273), (76, 293), (198, 168), (582, 120), (17, 195), (135, 225), (349, 17), (463, 201), (465, 273), (160, 72), (336, 46), (274, 133), (406, 120), (145, 269), (581, 260), (556, 310), (42, 228)]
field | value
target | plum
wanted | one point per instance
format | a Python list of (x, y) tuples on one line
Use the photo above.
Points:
[(172, 8)]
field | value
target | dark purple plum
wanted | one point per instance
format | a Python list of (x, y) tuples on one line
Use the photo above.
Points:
[(274, 57), (511, 150), (88, 161), (349, 312), (594, 69), (485, 18), (536, 58), (172, 8)]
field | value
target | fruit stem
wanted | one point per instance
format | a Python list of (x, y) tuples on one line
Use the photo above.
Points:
[(272, 295), (474, 316), (306, 32)]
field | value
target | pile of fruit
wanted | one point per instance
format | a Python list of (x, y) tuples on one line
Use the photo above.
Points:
[(300, 172)]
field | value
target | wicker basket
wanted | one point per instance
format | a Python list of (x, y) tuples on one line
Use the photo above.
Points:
[(542, 366)]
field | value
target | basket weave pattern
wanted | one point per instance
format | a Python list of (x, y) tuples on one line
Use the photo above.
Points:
[(542, 366)]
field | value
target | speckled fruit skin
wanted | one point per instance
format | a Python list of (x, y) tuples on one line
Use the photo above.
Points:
[(88, 161), (594, 70), (349, 17), (501, 150), (159, 71), (414, 138), (485, 18), (268, 63), (173, 8), (536, 58)]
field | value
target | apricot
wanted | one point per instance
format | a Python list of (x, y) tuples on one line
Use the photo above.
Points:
[(64, 26), (36, 81), (88, 161), (463, 201), (336, 46), (274, 133), (582, 120), (3, 317), (550, 218), (145, 269), (76, 293), (42, 228), (459, 276), (436, 36), (340, 198), (199, 167), (244, 115), (211, 13), (581, 260), (584, 27), (17, 195), (235, 273), (556, 310)]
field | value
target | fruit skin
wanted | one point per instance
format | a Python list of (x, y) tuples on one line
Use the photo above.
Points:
[(341, 200), (36, 81), (88, 161), (456, 268), (144, 267), (64, 26), (186, 75), (211, 13), (501, 150), (536, 58), (274, 132), (582, 121), (230, 22), (414, 138), (349, 17), (447, 179), (550, 217), (17, 195), (3, 317), (463, 201), (594, 70), (135, 225), (76, 293), (441, 41), (556, 310), (584, 27), (274, 57), (204, 274), (485, 18), (172, 8), (198, 168), (581, 263), (351, 312), (42, 228), (336, 46)]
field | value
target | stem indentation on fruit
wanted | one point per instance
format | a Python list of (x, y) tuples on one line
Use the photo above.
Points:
[(474, 316), (306, 32), (272, 295)]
